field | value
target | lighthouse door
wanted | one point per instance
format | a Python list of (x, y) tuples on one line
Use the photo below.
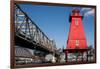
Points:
[(77, 43)]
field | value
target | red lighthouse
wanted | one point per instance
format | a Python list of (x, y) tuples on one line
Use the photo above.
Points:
[(76, 38)]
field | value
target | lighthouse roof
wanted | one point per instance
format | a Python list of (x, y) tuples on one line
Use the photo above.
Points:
[(75, 11)]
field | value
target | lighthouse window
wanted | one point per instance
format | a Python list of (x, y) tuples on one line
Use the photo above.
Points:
[(76, 21), (77, 42)]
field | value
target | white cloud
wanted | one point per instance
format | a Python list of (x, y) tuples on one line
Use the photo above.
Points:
[(90, 12), (86, 9)]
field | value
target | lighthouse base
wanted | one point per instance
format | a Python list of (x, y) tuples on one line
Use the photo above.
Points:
[(77, 55)]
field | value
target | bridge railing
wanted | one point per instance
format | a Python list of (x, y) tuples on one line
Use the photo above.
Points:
[(28, 30)]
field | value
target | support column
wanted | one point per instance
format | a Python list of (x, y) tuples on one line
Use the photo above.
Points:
[(66, 56), (76, 56), (87, 55), (82, 56)]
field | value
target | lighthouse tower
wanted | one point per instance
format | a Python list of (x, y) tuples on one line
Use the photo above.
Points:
[(76, 42), (76, 38)]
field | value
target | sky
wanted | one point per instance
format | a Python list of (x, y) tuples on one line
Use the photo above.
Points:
[(54, 21)]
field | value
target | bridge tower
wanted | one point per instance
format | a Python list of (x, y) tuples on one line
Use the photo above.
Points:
[(76, 38)]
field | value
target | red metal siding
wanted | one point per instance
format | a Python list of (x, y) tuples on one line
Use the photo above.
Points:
[(76, 33)]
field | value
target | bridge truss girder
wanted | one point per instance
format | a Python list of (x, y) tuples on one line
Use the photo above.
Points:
[(26, 29)]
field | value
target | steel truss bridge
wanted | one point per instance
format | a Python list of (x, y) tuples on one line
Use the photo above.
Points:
[(29, 35)]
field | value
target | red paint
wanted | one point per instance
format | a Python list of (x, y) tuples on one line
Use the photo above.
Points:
[(76, 38)]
